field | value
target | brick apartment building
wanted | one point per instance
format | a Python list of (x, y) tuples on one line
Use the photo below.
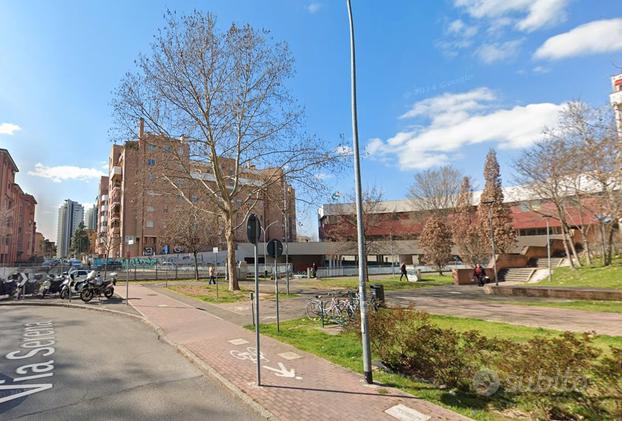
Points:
[(17, 215), (136, 203)]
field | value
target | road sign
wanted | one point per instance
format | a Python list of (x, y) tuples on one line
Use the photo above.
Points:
[(275, 248), (253, 228)]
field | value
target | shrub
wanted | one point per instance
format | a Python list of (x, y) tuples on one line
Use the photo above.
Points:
[(558, 378), (408, 342)]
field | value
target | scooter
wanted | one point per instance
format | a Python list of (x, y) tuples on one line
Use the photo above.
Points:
[(26, 285), (52, 285), (70, 286), (8, 287), (96, 286)]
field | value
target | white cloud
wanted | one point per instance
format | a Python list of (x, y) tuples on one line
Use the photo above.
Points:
[(313, 7), (601, 36), (9, 129), (453, 121), (526, 15), (343, 150), (490, 53), (65, 172)]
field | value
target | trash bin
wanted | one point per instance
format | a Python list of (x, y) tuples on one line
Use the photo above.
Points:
[(377, 291)]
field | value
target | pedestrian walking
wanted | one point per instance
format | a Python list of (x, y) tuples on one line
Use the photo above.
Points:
[(403, 271), (212, 275), (313, 270)]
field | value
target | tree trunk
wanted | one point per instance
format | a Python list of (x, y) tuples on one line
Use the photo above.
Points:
[(562, 225), (610, 245), (586, 245), (603, 244), (196, 266), (573, 249), (230, 238)]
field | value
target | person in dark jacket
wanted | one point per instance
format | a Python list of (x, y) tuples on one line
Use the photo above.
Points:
[(479, 274), (403, 271)]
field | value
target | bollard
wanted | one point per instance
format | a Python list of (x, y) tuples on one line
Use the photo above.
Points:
[(322, 311)]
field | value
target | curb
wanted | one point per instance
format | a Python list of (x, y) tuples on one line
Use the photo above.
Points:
[(185, 352), (207, 369), (68, 305)]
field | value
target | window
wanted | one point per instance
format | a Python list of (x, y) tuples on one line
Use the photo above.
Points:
[(194, 198), (149, 224), (150, 209), (151, 177), (151, 147), (168, 148), (151, 162)]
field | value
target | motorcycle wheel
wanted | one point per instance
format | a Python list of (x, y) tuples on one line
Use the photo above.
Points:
[(86, 295), (109, 292), (64, 294)]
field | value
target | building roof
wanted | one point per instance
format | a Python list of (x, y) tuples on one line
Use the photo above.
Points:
[(6, 152)]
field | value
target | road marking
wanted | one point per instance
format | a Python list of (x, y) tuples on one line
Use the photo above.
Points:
[(283, 371), (405, 413), (162, 305), (239, 341), (289, 356), (29, 389), (249, 354)]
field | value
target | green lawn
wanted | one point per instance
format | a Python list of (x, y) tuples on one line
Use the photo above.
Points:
[(210, 294), (345, 349), (390, 282), (585, 305), (594, 276)]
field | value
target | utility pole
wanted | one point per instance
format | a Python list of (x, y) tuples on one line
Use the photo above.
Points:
[(548, 245), (286, 229), (359, 211)]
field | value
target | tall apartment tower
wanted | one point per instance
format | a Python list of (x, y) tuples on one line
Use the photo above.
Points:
[(90, 218), (616, 100), (70, 214)]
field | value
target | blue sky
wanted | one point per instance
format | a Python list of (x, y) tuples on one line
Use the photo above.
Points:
[(439, 81)]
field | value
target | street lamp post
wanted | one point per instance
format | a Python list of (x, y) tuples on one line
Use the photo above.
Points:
[(492, 239), (359, 211)]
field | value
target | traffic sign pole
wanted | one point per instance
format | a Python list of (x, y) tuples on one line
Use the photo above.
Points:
[(253, 230)]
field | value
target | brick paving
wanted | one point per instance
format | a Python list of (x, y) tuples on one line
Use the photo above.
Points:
[(305, 388)]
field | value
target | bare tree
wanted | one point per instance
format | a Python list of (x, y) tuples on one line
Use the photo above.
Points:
[(225, 93), (344, 229), (192, 230), (544, 171), (436, 189), (597, 159)]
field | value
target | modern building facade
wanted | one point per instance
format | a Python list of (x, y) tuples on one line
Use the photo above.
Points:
[(17, 215), (70, 215), (90, 218), (136, 203)]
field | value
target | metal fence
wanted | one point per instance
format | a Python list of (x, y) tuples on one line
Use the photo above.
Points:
[(328, 272)]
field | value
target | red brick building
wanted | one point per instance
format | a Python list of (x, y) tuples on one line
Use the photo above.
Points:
[(17, 215)]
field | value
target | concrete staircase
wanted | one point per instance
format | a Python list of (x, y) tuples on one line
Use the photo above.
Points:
[(516, 274), (543, 262)]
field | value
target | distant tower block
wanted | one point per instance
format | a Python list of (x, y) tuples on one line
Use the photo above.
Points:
[(616, 100)]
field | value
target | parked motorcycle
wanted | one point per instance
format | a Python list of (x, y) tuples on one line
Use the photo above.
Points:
[(71, 286), (52, 285), (27, 285), (96, 286), (8, 287)]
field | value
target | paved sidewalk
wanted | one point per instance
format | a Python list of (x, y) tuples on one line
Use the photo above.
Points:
[(295, 385), (534, 316)]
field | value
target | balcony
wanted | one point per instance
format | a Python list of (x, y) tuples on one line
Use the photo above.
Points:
[(115, 195), (116, 174), (616, 98)]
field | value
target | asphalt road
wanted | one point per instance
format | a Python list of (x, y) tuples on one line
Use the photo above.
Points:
[(82, 364)]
